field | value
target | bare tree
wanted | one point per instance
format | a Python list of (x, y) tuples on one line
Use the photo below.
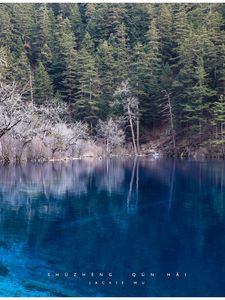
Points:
[(51, 113), (24, 121), (38, 121), (168, 112), (13, 110), (31, 88), (111, 130), (131, 109), (62, 136), (3, 62)]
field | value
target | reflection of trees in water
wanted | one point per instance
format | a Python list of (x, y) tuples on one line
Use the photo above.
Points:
[(58, 178), (98, 209), (172, 182), (22, 186), (49, 189), (132, 199), (113, 178)]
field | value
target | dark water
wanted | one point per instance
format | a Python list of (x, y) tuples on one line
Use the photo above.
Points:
[(108, 221)]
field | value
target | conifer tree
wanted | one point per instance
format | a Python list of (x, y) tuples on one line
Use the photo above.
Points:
[(88, 43), (97, 19), (181, 24), (136, 18), (42, 37), (139, 79), (106, 67), (219, 121), (165, 29), (76, 22), (195, 110), (6, 28), (43, 92), (119, 41), (65, 61), (23, 19), (114, 19), (87, 102), (153, 61), (20, 69), (46, 55), (215, 49)]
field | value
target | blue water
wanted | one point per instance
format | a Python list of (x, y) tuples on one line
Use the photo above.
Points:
[(105, 227)]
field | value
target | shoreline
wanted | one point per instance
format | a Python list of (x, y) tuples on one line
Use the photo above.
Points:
[(119, 157)]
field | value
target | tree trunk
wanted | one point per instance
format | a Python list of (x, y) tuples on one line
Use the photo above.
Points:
[(7, 129), (31, 90), (107, 146), (132, 130), (138, 135), (22, 149), (222, 138), (171, 122)]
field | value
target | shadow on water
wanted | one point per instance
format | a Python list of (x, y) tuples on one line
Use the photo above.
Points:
[(120, 216)]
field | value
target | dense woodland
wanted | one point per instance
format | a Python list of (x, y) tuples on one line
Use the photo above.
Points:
[(116, 70)]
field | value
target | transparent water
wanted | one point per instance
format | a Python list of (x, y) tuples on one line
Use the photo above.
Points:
[(104, 228)]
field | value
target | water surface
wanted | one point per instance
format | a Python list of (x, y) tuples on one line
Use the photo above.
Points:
[(105, 227)]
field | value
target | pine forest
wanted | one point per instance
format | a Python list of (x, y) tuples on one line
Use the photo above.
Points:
[(104, 79)]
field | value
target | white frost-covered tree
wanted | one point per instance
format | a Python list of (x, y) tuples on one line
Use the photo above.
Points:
[(13, 110), (61, 136), (112, 132), (131, 109), (24, 121)]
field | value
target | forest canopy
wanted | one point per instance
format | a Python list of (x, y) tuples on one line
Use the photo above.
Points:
[(172, 56)]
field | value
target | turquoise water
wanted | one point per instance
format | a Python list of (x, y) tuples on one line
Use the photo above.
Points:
[(113, 228)]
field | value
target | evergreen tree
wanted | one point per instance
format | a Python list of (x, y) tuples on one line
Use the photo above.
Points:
[(87, 102), (136, 19), (65, 61), (23, 20), (88, 43), (165, 29), (42, 85), (97, 18), (114, 19), (181, 24), (153, 56), (119, 42), (153, 62), (139, 79), (196, 109), (184, 74), (215, 49), (76, 22), (20, 69), (219, 121), (42, 37), (6, 28), (106, 67), (46, 55)]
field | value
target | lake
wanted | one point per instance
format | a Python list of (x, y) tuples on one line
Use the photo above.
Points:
[(113, 228)]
